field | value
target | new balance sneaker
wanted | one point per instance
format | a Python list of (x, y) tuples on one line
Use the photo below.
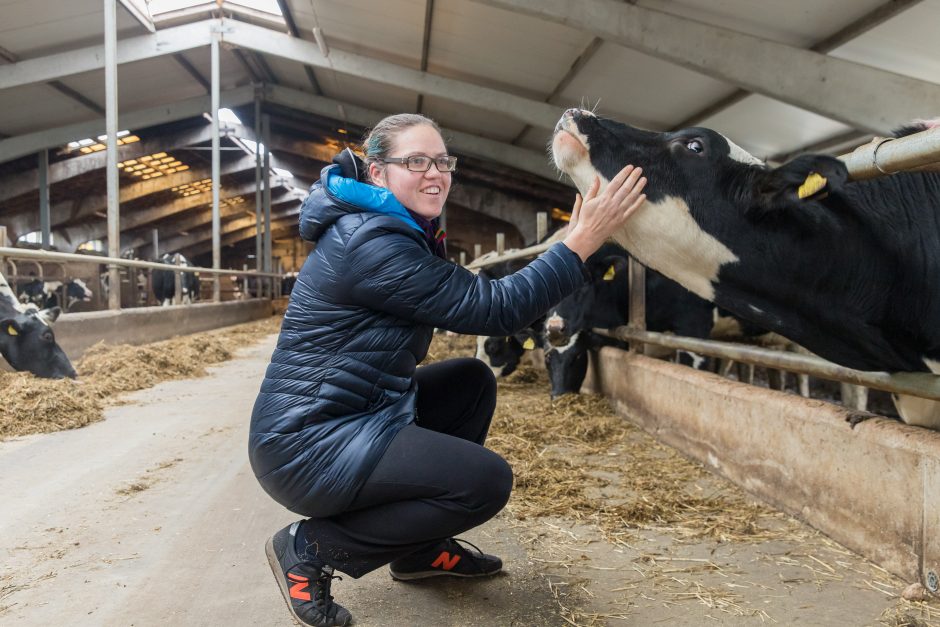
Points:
[(305, 587), (446, 558)]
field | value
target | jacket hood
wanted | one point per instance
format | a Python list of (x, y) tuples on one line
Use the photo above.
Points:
[(334, 196)]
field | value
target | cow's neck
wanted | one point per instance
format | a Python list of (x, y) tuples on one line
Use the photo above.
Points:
[(664, 236)]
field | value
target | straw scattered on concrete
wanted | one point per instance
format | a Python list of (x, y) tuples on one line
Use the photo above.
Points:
[(33, 405), (575, 459)]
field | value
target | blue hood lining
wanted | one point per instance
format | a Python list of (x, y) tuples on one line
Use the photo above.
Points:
[(368, 197)]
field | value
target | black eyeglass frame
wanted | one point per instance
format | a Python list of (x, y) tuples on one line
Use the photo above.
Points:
[(450, 160)]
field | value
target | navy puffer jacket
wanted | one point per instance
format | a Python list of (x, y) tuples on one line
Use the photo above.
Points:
[(360, 319)]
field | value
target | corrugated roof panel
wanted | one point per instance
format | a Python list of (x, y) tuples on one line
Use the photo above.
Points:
[(290, 73), (231, 72), (799, 23), (366, 93), (641, 90), (142, 84), (394, 26), (908, 44), (523, 54), (32, 28), (472, 119), (36, 108), (766, 127)]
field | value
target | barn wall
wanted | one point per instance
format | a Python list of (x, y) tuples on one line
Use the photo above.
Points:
[(77, 332), (874, 488)]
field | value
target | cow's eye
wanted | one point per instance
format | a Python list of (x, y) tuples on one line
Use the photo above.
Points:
[(695, 146), (47, 337)]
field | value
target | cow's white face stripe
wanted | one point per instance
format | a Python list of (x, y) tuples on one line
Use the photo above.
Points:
[(740, 155), (665, 236), (569, 345)]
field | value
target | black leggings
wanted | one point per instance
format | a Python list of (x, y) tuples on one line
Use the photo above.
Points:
[(435, 480)]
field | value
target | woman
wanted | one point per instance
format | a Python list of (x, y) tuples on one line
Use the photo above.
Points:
[(385, 460)]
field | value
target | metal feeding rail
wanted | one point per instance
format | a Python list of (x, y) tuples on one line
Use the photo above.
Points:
[(114, 262)]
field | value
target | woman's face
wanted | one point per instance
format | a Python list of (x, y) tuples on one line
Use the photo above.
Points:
[(422, 192)]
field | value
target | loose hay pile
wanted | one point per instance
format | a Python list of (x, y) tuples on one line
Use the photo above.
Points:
[(575, 457), (33, 405)]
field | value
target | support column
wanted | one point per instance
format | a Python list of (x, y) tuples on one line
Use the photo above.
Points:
[(111, 169), (156, 243), (266, 137), (45, 223), (216, 166), (259, 248)]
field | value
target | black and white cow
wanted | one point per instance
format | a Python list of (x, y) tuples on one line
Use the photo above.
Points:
[(45, 294), (26, 338), (164, 282), (504, 353), (848, 269), (604, 303)]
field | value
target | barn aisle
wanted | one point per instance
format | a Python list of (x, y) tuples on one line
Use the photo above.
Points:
[(153, 517)]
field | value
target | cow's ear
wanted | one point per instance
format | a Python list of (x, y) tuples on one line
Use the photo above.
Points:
[(49, 316), (526, 339), (795, 185)]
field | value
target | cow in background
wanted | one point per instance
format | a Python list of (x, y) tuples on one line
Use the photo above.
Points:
[(604, 303), (503, 354), (164, 281), (45, 294), (847, 269), (26, 338)]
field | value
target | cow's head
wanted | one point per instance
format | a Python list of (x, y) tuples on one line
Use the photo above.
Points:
[(703, 190), (76, 290), (503, 353), (567, 364), (28, 344)]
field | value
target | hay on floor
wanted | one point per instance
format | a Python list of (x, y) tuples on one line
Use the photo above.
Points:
[(33, 405)]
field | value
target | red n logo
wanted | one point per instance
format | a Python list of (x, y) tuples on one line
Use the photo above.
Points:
[(297, 590), (446, 561)]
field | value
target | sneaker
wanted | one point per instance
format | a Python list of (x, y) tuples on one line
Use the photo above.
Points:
[(446, 558), (305, 587)]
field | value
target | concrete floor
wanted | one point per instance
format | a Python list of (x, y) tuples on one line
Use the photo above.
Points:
[(153, 517)]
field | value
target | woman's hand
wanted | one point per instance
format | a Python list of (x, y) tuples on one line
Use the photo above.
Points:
[(597, 217)]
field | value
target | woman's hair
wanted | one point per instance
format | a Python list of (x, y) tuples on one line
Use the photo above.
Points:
[(378, 141)]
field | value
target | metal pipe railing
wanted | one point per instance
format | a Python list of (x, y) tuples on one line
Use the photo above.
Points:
[(45, 255), (887, 155), (922, 384)]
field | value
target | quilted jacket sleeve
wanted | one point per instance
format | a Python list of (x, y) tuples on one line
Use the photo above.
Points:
[(395, 273)]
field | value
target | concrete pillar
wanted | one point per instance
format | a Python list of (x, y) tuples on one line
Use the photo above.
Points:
[(463, 258), (500, 243), (216, 167), (541, 225), (477, 250)]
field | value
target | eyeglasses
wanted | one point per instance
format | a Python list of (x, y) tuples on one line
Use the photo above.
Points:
[(422, 163)]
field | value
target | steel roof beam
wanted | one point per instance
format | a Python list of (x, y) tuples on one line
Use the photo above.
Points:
[(78, 234), (51, 67), (22, 145), (499, 152), (72, 209), (855, 94), (204, 236), (857, 28), (284, 46)]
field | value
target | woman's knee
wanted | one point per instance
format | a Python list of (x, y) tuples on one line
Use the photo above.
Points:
[(492, 486)]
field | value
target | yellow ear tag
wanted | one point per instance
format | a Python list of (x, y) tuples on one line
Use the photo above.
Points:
[(11, 330), (609, 275), (529, 344), (813, 183)]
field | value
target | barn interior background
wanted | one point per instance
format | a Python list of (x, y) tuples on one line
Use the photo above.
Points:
[(220, 115)]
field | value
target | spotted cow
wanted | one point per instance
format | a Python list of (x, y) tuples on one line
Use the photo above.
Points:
[(847, 269)]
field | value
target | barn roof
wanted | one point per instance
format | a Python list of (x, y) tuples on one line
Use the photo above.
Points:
[(778, 78)]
